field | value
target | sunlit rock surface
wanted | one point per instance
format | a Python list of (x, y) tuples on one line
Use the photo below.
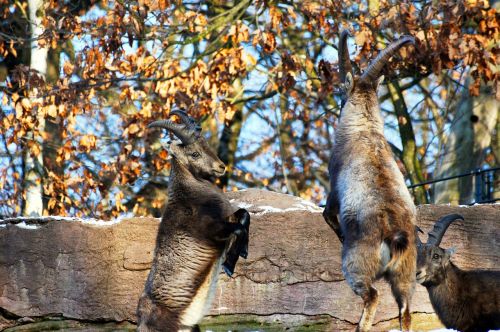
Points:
[(90, 270)]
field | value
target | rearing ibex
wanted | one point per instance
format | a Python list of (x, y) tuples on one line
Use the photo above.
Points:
[(194, 236), (368, 192)]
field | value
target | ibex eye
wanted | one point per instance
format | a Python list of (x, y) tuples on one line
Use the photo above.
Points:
[(435, 256), (195, 155)]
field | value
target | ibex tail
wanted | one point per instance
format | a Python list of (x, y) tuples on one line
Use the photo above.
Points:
[(398, 243)]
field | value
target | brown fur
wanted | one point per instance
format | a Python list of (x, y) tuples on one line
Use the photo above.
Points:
[(376, 211), (467, 301), (196, 229)]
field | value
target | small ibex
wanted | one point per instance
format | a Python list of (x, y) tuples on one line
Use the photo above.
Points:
[(198, 232), (368, 192), (463, 300)]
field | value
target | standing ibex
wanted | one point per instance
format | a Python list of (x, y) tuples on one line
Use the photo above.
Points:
[(464, 300), (368, 192), (193, 237)]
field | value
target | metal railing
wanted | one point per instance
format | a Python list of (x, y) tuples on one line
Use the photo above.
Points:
[(484, 186)]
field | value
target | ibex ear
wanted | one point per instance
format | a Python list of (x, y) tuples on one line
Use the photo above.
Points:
[(380, 81), (447, 255), (348, 83), (169, 150)]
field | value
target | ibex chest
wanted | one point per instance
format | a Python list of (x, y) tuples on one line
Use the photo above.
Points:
[(203, 297)]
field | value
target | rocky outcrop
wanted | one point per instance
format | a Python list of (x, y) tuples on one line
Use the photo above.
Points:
[(88, 270)]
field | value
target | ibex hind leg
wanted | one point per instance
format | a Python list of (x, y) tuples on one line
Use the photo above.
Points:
[(370, 298), (403, 301), (403, 291), (360, 265), (402, 281)]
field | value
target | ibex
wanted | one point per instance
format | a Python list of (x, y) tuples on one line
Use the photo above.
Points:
[(463, 300), (368, 192), (194, 236)]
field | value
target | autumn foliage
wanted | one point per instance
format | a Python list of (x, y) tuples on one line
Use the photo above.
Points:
[(261, 76)]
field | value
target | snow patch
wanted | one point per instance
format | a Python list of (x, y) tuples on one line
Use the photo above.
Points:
[(300, 205), (89, 221), (33, 221), (268, 209), (100, 223), (241, 205), (26, 226), (296, 207), (308, 205)]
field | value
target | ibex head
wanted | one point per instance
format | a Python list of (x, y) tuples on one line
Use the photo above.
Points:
[(371, 78), (433, 260), (192, 150)]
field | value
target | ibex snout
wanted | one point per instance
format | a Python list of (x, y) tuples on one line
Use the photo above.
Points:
[(421, 274), (219, 168)]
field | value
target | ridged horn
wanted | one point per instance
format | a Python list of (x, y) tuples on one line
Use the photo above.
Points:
[(440, 227), (185, 135), (418, 230), (187, 120), (344, 61), (372, 73)]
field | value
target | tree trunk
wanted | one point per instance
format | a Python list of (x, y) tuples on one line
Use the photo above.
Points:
[(33, 163), (465, 148), (53, 130), (228, 143), (409, 154), (284, 131)]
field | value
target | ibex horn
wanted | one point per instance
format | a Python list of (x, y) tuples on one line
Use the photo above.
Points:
[(440, 227), (372, 73), (418, 230), (344, 61), (187, 120), (185, 135)]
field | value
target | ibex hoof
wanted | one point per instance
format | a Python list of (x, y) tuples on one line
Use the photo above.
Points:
[(244, 253), (243, 217), (229, 270)]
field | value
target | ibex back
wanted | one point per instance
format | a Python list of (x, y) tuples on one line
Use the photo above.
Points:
[(368, 192)]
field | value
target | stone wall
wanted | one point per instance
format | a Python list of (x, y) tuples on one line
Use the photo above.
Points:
[(94, 271)]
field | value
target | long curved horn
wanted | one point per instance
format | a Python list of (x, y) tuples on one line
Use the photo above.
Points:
[(440, 228), (418, 230), (372, 73), (344, 61), (187, 120), (185, 135)]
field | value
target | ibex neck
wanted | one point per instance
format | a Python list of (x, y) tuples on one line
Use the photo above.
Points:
[(449, 285), (183, 185), (447, 298), (453, 275), (361, 114)]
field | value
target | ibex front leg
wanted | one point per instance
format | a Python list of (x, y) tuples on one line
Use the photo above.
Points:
[(239, 247), (330, 215)]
